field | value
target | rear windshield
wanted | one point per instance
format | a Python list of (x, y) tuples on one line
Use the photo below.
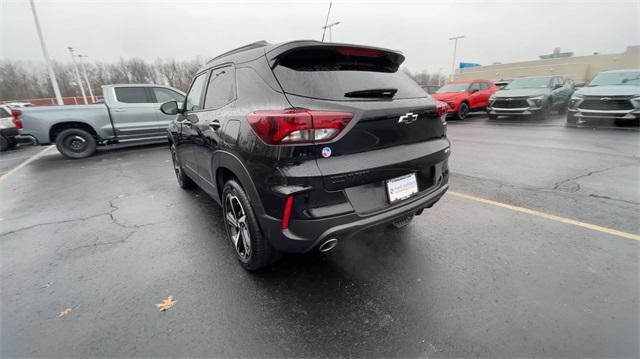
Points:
[(344, 74)]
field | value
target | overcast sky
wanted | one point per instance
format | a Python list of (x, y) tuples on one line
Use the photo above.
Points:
[(503, 31)]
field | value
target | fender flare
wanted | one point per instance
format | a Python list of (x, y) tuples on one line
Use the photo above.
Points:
[(229, 161)]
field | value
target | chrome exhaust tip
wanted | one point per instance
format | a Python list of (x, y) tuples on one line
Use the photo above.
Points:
[(328, 245)]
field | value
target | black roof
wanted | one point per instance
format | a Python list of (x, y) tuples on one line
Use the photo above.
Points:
[(251, 46), (259, 48)]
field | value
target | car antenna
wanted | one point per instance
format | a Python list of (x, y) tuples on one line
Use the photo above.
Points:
[(324, 29)]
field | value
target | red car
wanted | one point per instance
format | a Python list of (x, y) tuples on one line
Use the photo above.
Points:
[(465, 96)]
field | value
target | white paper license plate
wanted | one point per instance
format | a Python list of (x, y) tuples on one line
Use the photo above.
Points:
[(402, 187)]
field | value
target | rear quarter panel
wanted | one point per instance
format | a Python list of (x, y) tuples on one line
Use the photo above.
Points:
[(38, 121)]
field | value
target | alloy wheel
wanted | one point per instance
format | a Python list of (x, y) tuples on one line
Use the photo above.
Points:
[(236, 221)]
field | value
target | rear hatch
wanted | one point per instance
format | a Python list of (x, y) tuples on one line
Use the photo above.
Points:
[(395, 129)]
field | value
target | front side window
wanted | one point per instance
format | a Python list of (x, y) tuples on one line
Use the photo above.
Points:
[(194, 97), (165, 95), (484, 86), (474, 86), (221, 89), (132, 95)]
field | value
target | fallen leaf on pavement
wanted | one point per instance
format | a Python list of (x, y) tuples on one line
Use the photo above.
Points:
[(64, 312), (166, 304), (47, 285)]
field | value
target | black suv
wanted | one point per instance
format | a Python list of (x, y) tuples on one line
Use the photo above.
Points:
[(306, 143)]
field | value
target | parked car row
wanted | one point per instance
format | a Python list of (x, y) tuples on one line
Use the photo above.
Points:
[(611, 95)]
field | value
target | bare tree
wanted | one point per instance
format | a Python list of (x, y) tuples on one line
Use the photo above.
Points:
[(21, 80), (425, 78)]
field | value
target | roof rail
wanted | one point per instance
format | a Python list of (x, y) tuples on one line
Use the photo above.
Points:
[(251, 46)]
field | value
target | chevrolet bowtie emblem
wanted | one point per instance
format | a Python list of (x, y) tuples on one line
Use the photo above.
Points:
[(408, 118)]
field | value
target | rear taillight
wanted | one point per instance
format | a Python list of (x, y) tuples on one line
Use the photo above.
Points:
[(281, 127), (16, 118), (441, 108)]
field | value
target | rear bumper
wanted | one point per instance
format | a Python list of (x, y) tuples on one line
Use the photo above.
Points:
[(28, 139), (305, 235), (9, 133)]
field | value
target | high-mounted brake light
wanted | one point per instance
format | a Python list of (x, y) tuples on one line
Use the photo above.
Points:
[(360, 52), (281, 127), (16, 118)]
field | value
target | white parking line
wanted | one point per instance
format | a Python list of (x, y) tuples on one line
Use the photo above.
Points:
[(23, 164)]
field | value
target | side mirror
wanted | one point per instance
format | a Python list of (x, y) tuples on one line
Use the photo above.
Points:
[(169, 108)]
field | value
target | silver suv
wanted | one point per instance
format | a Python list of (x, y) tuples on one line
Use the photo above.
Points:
[(611, 95)]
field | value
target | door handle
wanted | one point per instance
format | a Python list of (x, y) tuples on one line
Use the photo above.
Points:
[(119, 110), (215, 125)]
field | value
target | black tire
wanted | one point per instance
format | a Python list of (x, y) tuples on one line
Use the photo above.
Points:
[(493, 117), (75, 143), (183, 180), (463, 111), (4, 143), (259, 253)]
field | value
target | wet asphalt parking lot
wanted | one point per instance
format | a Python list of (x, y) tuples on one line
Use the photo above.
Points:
[(489, 271)]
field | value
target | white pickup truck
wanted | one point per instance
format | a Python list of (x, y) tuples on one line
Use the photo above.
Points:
[(129, 112)]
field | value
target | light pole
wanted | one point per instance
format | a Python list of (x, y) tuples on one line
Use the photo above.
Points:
[(329, 27), (86, 78), (75, 66), (52, 75), (455, 48)]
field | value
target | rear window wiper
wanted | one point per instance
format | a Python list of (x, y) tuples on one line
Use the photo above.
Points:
[(372, 93)]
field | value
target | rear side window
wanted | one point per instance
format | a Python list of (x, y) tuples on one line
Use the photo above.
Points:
[(132, 95), (4, 113), (221, 89), (332, 72)]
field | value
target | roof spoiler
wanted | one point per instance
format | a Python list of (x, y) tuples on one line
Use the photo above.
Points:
[(358, 50)]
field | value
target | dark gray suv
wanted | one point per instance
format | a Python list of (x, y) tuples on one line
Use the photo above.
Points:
[(306, 143), (533, 96)]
